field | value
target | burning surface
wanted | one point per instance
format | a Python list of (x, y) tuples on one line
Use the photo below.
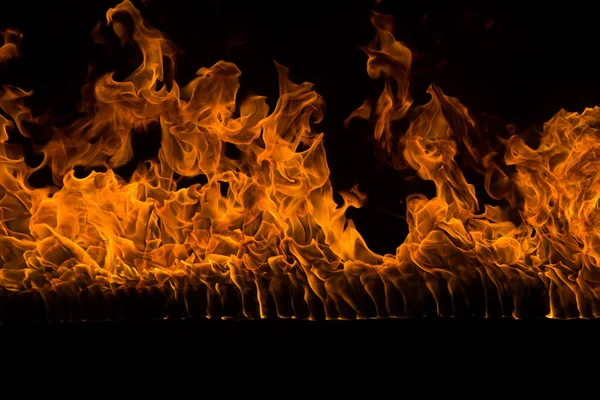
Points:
[(264, 236)]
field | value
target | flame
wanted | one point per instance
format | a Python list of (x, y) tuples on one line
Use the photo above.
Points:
[(264, 236), (549, 250)]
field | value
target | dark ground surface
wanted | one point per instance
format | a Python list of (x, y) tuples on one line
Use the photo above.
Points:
[(289, 331), (348, 354), (275, 358)]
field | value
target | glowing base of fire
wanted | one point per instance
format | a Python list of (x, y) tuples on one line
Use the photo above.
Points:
[(276, 300)]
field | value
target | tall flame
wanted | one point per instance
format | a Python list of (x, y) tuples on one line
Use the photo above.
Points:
[(264, 235)]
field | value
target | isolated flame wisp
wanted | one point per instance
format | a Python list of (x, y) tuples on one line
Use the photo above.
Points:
[(275, 242)]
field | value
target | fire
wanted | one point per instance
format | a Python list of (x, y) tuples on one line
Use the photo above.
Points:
[(264, 236)]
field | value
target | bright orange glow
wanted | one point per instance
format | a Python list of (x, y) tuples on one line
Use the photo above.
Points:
[(276, 241)]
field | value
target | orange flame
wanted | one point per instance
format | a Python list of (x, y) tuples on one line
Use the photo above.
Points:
[(276, 243)]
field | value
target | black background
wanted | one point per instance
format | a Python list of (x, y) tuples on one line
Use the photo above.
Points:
[(505, 61)]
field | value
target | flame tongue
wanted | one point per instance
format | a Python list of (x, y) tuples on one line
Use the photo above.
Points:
[(264, 235), (277, 221), (549, 252)]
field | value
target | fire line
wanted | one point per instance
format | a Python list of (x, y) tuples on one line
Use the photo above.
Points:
[(276, 243)]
